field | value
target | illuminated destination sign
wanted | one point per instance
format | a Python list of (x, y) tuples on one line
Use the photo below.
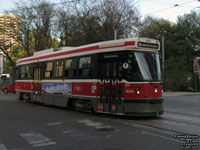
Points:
[(147, 45)]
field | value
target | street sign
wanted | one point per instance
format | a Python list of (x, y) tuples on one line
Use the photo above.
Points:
[(195, 65)]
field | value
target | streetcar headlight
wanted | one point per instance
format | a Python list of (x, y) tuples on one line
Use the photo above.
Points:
[(156, 90), (138, 91)]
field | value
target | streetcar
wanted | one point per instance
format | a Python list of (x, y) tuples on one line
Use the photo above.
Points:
[(121, 77)]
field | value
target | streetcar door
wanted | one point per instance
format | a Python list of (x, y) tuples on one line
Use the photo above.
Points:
[(109, 86), (37, 84)]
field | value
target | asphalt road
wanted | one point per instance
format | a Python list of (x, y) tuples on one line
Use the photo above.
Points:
[(30, 126)]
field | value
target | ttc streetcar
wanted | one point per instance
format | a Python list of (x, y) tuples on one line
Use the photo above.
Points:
[(120, 77)]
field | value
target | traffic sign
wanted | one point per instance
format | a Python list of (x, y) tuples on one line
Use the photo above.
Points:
[(195, 65)]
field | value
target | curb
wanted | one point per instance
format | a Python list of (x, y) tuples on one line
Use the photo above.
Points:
[(181, 94)]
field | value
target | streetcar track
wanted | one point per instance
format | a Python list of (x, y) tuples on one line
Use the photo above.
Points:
[(181, 121), (160, 131), (154, 129), (183, 114)]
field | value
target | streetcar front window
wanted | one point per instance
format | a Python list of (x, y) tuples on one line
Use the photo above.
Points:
[(143, 66)]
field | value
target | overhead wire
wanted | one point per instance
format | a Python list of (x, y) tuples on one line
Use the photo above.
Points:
[(170, 4), (186, 10), (175, 5), (158, 2), (53, 4)]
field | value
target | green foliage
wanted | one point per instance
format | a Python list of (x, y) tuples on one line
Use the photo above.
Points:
[(90, 21), (182, 42), (177, 75), (190, 89)]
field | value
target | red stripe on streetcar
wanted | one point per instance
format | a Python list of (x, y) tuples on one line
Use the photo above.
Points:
[(62, 53), (128, 43)]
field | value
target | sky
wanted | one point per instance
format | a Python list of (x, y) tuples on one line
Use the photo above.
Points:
[(167, 9)]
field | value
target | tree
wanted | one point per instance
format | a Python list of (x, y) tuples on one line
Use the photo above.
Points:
[(118, 15), (188, 33), (36, 24), (158, 28), (181, 46), (96, 21)]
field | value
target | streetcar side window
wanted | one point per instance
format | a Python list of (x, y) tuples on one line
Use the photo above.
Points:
[(22, 73), (70, 67), (49, 68), (25, 72), (29, 70), (85, 66), (58, 68), (37, 74)]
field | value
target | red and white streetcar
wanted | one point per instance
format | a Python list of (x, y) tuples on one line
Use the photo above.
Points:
[(117, 77)]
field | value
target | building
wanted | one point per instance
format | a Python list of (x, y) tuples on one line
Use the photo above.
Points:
[(9, 26)]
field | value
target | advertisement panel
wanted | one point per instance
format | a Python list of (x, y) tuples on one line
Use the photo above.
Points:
[(57, 88)]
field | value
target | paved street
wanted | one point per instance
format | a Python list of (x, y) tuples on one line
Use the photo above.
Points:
[(30, 126)]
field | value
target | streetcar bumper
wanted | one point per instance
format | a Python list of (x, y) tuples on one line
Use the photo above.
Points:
[(143, 107)]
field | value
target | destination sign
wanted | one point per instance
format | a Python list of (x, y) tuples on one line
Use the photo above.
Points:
[(147, 45), (111, 56)]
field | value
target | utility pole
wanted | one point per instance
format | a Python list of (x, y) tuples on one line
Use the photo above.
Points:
[(163, 54), (195, 70), (115, 34)]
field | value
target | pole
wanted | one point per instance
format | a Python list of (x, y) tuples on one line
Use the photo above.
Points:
[(195, 76), (163, 54), (115, 34)]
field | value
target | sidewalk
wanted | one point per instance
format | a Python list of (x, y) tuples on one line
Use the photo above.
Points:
[(181, 94)]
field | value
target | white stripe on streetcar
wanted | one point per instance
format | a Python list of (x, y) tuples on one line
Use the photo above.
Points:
[(37, 140)]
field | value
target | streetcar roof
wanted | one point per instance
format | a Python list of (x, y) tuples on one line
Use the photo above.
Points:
[(139, 43)]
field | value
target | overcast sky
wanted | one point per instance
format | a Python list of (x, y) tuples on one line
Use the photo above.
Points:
[(168, 9)]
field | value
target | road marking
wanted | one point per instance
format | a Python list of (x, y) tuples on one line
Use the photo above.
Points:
[(3, 147), (108, 136), (160, 136), (97, 125), (37, 140), (65, 132), (54, 123)]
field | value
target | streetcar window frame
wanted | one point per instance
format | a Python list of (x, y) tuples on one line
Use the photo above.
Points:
[(25, 72), (48, 73), (58, 68), (70, 71), (22, 72), (29, 71), (86, 67)]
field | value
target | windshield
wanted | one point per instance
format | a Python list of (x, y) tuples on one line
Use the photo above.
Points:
[(143, 66)]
